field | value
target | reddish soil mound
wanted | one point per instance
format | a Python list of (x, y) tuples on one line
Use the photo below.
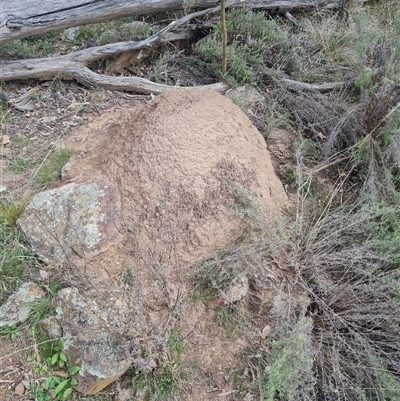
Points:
[(175, 162)]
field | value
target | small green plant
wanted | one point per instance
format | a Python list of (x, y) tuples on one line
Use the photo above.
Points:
[(289, 372), (51, 170), (230, 319), (160, 384), (40, 310), (252, 39), (58, 358), (54, 387), (16, 260), (175, 343), (18, 164), (214, 275), (128, 276), (31, 47), (158, 68), (59, 388), (111, 31), (11, 332), (9, 212)]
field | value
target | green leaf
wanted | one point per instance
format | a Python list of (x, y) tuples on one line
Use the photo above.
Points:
[(60, 387), (74, 370), (54, 359), (74, 382), (67, 393), (63, 357)]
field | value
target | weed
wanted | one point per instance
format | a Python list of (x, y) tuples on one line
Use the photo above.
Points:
[(15, 259), (346, 262), (4, 112), (11, 332), (59, 357), (51, 170), (158, 68), (175, 343), (162, 383), (128, 276), (214, 275), (40, 310), (18, 164), (230, 319), (289, 372), (253, 39), (111, 31), (31, 47), (274, 116), (54, 387)]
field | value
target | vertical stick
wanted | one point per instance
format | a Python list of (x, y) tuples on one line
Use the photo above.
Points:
[(224, 36)]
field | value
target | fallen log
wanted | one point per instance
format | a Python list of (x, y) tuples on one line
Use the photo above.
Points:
[(74, 65), (22, 18)]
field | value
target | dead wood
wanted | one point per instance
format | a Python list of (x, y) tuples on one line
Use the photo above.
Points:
[(74, 65), (22, 18), (322, 88), (324, 119)]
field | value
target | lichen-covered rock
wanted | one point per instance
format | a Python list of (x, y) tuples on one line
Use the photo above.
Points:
[(18, 306), (74, 220), (92, 340)]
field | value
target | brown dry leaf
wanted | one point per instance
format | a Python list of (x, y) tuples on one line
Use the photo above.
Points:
[(224, 394), (321, 135), (44, 274), (60, 373), (6, 140), (19, 389), (265, 332)]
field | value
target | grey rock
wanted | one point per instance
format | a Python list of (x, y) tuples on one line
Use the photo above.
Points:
[(74, 220), (92, 341), (18, 306), (246, 97), (52, 327)]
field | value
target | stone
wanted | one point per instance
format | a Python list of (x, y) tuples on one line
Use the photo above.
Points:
[(91, 339), (77, 218), (246, 97), (237, 290), (19, 389), (18, 306), (52, 327)]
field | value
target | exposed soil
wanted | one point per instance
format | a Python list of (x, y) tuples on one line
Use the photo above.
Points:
[(212, 354)]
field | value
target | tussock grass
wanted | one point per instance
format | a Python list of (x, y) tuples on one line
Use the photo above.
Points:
[(15, 259)]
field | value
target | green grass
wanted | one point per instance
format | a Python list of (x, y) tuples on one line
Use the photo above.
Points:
[(16, 261), (52, 168), (253, 39), (230, 319), (163, 382)]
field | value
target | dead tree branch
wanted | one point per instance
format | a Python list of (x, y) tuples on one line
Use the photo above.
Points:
[(22, 18), (74, 65)]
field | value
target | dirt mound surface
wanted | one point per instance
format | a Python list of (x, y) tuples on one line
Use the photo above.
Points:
[(176, 162), (149, 191)]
